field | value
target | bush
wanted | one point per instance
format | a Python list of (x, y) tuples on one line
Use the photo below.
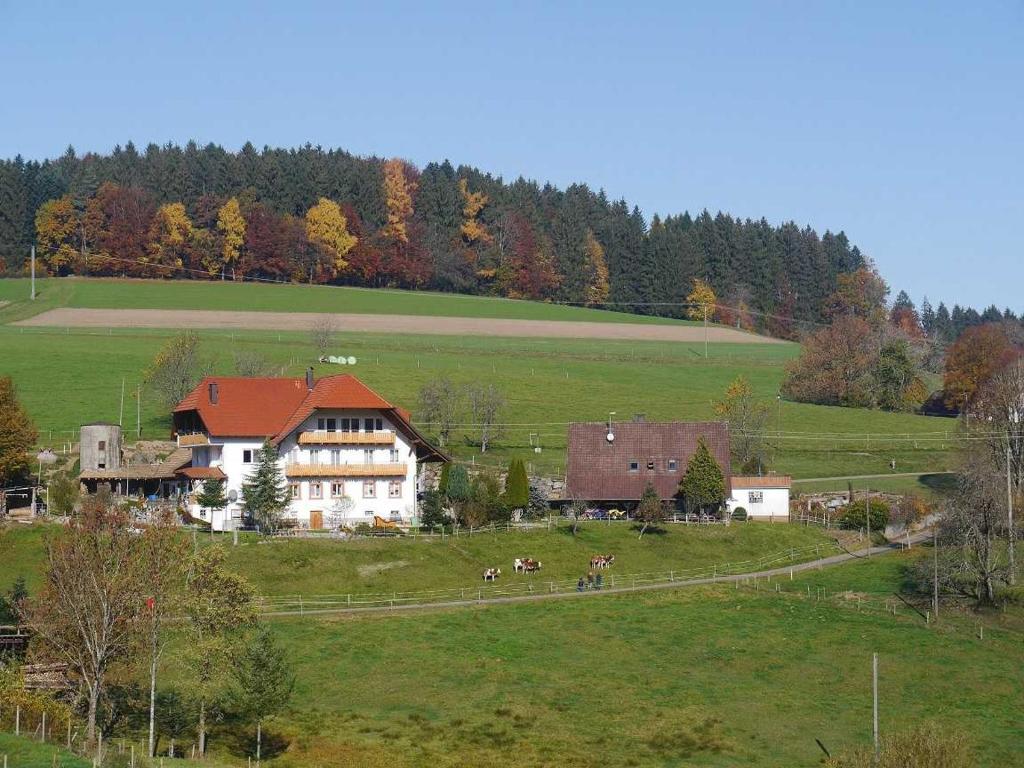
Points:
[(64, 492), (928, 746), (854, 517), (739, 514)]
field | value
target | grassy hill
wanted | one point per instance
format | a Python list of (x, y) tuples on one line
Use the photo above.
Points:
[(109, 293), (22, 752), (67, 377), (331, 567)]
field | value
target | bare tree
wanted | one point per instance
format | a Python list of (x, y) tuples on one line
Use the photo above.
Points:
[(323, 333), (164, 554), (440, 403), (177, 368), (252, 364), (486, 402), (88, 611)]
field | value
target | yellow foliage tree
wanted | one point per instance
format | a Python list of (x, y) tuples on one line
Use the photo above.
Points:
[(169, 235), (398, 191), (231, 224), (473, 230), (597, 271), (702, 299), (56, 224), (327, 228)]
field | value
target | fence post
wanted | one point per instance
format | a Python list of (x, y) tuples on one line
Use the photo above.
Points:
[(17, 719), (42, 736)]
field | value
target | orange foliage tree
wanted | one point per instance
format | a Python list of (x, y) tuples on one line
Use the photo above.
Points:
[(972, 361)]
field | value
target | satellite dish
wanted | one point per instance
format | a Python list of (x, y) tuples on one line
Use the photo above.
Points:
[(351, 361), (340, 360), (610, 436), (232, 495)]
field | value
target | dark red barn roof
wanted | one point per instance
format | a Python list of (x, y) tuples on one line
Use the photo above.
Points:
[(599, 470)]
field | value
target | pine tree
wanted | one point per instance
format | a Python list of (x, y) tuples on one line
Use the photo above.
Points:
[(212, 495), (650, 511), (517, 485), (703, 485), (264, 492), (927, 318), (432, 509), (442, 481), (262, 682)]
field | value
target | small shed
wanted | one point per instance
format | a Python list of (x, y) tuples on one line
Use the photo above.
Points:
[(764, 498)]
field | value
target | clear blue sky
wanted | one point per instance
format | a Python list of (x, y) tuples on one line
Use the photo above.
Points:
[(900, 123)]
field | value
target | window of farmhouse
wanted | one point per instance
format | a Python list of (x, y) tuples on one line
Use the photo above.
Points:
[(247, 456), (369, 489), (673, 465), (368, 456), (316, 490), (337, 490), (395, 489), (755, 497), (634, 466), (394, 456), (296, 490)]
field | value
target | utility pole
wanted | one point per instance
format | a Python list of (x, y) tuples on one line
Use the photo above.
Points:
[(33, 259), (874, 702), (1009, 512), (935, 570), (705, 331)]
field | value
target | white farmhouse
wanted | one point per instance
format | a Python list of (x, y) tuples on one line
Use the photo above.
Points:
[(347, 454), (764, 498)]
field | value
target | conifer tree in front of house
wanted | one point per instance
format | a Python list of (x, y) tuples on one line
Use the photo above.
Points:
[(703, 485), (212, 496), (517, 485), (264, 491)]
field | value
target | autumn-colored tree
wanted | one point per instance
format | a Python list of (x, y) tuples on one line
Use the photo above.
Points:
[(398, 192), (527, 269), (747, 417), (231, 225), (835, 365), (597, 271), (170, 236), (702, 301), (57, 228), (17, 434), (327, 230), (87, 612), (972, 361), (473, 230), (119, 220), (861, 294)]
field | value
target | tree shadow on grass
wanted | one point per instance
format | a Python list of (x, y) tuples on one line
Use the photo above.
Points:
[(240, 741), (652, 530), (942, 484)]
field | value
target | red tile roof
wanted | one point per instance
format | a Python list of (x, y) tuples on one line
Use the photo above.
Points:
[(599, 470), (203, 473), (273, 408), (765, 481)]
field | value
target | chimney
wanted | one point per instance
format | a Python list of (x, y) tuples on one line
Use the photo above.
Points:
[(309, 378), (213, 392)]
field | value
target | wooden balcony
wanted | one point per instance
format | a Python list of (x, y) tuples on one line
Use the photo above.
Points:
[(191, 441), (345, 470), (322, 437)]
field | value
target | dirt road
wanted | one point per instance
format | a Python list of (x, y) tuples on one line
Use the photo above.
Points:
[(70, 317)]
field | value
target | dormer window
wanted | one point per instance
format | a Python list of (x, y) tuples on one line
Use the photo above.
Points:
[(634, 466)]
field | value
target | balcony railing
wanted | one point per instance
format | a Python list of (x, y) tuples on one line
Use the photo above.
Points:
[(190, 441), (345, 470), (324, 437)]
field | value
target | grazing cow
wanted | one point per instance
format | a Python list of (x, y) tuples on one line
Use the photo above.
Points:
[(602, 561), (525, 564), (490, 574)]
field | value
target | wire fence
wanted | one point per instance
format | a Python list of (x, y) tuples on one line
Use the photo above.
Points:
[(535, 584)]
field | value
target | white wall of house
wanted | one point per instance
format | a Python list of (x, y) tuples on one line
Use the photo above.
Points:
[(761, 503), (391, 496)]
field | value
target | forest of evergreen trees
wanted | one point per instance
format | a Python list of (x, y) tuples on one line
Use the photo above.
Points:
[(314, 215)]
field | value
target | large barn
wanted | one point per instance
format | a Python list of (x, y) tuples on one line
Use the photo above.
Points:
[(612, 462)]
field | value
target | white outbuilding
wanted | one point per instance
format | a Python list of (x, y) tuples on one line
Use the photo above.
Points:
[(764, 498)]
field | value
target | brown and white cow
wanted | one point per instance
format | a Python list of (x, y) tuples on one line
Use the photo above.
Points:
[(490, 574), (602, 561), (525, 564)]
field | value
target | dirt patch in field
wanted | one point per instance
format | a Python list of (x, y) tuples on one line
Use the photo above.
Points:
[(366, 571), (69, 317)]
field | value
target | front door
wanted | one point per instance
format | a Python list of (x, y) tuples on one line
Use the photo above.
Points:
[(316, 520)]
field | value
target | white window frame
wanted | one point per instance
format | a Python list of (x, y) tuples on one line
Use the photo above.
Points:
[(396, 456), (337, 489), (755, 497), (369, 489), (316, 489), (296, 491), (394, 489), (251, 453)]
